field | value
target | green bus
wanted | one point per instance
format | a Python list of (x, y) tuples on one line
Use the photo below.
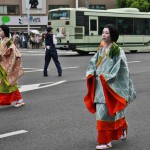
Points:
[(80, 29)]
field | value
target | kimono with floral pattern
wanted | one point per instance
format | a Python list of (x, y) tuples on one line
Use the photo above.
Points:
[(10, 66)]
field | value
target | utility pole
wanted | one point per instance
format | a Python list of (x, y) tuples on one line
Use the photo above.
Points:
[(76, 3), (28, 16)]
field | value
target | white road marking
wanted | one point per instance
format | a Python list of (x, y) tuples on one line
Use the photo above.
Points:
[(68, 52), (30, 68), (38, 53), (43, 51), (36, 69), (133, 62), (25, 54), (30, 87), (12, 133), (70, 67)]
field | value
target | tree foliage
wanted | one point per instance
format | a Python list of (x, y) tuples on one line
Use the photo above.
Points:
[(120, 3), (142, 5)]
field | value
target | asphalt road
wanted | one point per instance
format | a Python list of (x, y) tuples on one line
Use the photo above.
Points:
[(55, 117)]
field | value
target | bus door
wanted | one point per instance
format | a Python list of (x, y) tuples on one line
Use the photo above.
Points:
[(93, 31)]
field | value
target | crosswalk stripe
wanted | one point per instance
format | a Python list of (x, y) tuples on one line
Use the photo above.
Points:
[(12, 133), (31, 87)]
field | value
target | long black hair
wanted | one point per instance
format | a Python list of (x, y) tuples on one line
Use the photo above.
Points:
[(114, 32), (5, 29)]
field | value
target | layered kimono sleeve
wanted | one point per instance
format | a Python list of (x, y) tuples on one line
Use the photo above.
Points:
[(117, 85), (91, 81), (14, 68), (11, 65)]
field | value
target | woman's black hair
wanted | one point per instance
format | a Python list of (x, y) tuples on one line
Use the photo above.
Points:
[(5, 29), (114, 32)]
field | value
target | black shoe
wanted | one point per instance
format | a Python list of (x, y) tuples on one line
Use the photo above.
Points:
[(45, 75), (60, 74)]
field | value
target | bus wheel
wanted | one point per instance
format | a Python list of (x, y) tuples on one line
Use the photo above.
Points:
[(82, 53), (133, 51)]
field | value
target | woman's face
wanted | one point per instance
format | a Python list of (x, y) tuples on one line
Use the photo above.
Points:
[(106, 36), (2, 35)]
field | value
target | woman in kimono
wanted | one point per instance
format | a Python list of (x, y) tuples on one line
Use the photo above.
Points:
[(110, 89), (10, 70)]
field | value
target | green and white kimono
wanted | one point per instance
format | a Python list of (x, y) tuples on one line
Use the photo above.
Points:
[(110, 90)]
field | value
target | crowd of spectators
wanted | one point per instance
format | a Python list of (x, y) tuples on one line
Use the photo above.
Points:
[(33, 41)]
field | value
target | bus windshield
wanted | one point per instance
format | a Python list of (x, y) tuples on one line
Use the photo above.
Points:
[(58, 15)]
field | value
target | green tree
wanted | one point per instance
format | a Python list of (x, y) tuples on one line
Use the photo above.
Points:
[(121, 3), (142, 5)]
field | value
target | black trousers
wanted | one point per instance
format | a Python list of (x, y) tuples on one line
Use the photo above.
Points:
[(52, 53)]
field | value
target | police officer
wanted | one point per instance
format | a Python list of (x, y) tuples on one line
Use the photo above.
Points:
[(51, 52)]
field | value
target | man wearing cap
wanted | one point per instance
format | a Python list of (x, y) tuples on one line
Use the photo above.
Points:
[(51, 52)]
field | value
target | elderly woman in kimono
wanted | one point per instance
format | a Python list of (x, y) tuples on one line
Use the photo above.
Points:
[(10, 70), (110, 89)]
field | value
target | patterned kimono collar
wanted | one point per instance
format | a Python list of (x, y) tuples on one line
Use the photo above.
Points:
[(6, 45), (107, 48), (6, 42), (112, 50)]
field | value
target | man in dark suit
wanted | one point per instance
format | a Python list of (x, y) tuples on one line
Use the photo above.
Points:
[(51, 52)]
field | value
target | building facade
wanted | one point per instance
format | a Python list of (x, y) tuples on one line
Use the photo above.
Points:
[(25, 15)]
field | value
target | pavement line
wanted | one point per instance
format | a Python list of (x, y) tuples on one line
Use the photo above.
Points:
[(67, 52), (43, 51), (71, 67), (133, 62), (24, 54), (30, 53), (34, 70), (36, 51), (30, 68), (64, 68), (30, 87), (12, 133)]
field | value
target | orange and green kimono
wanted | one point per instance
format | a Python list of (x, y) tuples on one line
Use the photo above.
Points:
[(10, 71), (110, 90)]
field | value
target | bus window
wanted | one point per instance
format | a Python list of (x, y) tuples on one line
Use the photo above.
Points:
[(93, 25), (125, 26), (141, 27), (147, 27), (105, 20), (80, 18), (58, 15)]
